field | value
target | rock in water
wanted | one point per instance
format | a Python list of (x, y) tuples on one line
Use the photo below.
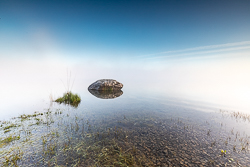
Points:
[(106, 84)]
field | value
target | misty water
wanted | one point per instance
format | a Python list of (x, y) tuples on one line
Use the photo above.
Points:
[(131, 128)]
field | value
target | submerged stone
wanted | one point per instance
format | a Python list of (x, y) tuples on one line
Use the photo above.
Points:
[(106, 84)]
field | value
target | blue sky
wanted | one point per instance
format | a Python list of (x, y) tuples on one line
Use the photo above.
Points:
[(123, 28)]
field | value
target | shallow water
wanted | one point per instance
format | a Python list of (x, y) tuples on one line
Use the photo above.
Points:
[(134, 129)]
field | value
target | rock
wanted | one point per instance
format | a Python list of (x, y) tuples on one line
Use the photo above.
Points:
[(103, 94), (166, 152), (106, 84)]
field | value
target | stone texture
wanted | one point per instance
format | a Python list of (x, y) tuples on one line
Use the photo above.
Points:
[(106, 84)]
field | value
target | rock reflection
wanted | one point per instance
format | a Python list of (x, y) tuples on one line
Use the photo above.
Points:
[(108, 94)]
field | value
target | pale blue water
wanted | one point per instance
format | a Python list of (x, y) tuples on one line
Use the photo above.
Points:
[(193, 133)]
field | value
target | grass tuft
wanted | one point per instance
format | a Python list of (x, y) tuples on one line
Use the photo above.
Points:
[(69, 98)]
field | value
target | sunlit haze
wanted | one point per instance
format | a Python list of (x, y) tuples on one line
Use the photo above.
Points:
[(193, 50)]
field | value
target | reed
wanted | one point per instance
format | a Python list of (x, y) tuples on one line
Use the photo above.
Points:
[(69, 97)]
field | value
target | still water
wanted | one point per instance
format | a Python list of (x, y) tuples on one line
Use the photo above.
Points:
[(124, 129)]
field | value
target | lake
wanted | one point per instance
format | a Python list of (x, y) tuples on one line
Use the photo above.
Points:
[(185, 68), (133, 128)]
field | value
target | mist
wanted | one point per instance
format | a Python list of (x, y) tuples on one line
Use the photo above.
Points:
[(221, 81)]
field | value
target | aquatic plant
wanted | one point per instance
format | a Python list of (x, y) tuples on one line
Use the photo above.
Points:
[(14, 156), (234, 148), (69, 98), (69, 86), (10, 126), (237, 115), (8, 140), (6, 131), (223, 153), (77, 139)]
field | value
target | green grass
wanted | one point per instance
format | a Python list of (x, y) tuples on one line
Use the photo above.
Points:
[(6, 131), (13, 157), (25, 117), (69, 98), (9, 126), (8, 139)]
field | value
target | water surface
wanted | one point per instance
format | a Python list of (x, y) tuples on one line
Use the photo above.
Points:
[(134, 129)]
